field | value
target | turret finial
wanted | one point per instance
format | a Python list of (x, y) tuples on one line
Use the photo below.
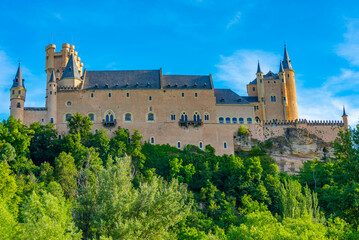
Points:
[(259, 70)]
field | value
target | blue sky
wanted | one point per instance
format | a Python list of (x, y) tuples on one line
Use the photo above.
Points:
[(224, 38)]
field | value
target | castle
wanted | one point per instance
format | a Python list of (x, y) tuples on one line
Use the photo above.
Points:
[(174, 109)]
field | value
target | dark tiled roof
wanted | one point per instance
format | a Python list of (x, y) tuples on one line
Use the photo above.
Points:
[(271, 75), (186, 81), (259, 70), (280, 67), (18, 80), (52, 78), (227, 96), (254, 81), (71, 70), (287, 63), (35, 109), (131, 79), (251, 99)]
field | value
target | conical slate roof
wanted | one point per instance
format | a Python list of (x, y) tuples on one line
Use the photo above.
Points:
[(18, 80), (280, 67), (71, 70), (259, 70), (52, 78), (344, 114), (286, 61)]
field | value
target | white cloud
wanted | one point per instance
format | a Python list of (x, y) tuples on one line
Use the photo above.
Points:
[(323, 103), (349, 49), (236, 18), (7, 74), (238, 70)]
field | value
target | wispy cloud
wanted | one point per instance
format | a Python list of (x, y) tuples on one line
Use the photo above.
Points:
[(240, 68), (234, 20), (349, 49), (323, 103)]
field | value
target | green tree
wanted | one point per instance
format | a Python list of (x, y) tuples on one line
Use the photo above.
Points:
[(44, 216), (79, 124), (66, 174), (9, 227)]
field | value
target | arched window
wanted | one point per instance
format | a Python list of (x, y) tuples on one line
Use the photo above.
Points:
[(221, 120), (91, 95), (273, 99), (128, 117), (225, 145), (150, 117), (152, 140), (18, 105), (68, 116), (19, 91), (234, 120), (109, 95), (249, 120), (173, 117), (150, 98), (50, 92), (200, 145), (92, 117), (254, 89), (241, 121), (257, 119), (109, 118), (228, 120), (52, 121), (206, 116), (184, 117), (178, 144), (196, 117)]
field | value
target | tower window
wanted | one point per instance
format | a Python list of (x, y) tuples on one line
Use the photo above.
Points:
[(288, 75), (92, 117), (173, 117), (225, 145), (228, 120), (69, 103), (260, 81), (128, 117), (283, 80), (195, 94), (109, 95), (127, 95), (241, 120), (182, 94), (152, 140), (150, 109), (275, 82), (254, 89), (268, 82), (150, 98), (50, 92), (221, 120), (19, 91), (283, 99), (262, 99), (150, 117), (249, 120), (91, 95), (18, 105), (13, 92), (234, 120)]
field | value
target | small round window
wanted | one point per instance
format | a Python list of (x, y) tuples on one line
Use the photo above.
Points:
[(68, 103)]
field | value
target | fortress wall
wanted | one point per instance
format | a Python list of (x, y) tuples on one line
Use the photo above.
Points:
[(31, 116)]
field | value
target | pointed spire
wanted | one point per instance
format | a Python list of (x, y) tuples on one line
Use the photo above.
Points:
[(259, 70), (344, 114), (286, 61), (71, 70), (18, 80), (52, 78), (280, 67)]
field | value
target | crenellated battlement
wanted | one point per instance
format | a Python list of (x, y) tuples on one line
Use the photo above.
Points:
[(303, 121)]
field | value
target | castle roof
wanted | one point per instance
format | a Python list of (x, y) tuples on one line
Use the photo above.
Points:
[(280, 67), (52, 77), (18, 80), (227, 96), (71, 70), (143, 79), (286, 61), (259, 70), (269, 75)]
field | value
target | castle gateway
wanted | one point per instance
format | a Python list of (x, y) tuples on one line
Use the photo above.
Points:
[(174, 109)]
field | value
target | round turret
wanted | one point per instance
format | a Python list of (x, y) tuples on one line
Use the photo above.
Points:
[(17, 96)]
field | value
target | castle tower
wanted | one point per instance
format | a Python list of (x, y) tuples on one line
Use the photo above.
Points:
[(17, 96), (283, 89), (345, 119), (71, 75), (260, 88), (51, 99), (292, 108)]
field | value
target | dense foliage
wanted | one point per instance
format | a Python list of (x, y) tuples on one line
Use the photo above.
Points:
[(90, 186)]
